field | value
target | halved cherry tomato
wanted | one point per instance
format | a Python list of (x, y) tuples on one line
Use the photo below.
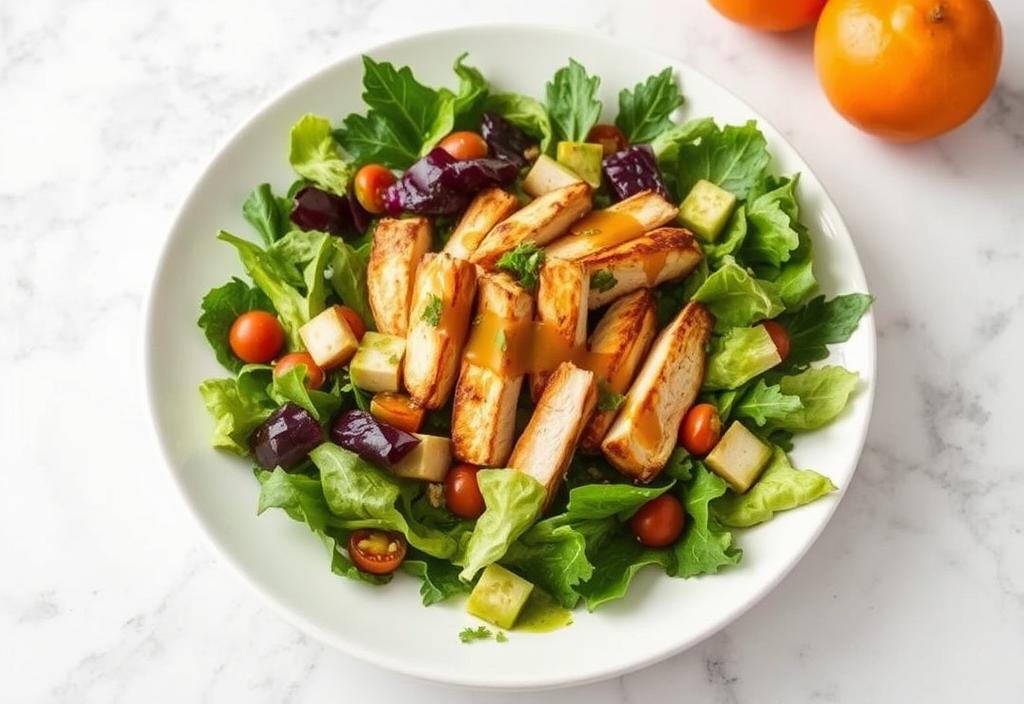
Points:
[(464, 145), (355, 323), (659, 522), (376, 551), (462, 492), (700, 430), (397, 410), (779, 336), (314, 374), (370, 183), (256, 337), (609, 137)]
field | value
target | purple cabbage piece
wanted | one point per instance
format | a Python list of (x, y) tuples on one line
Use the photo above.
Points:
[(632, 170), (286, 437), (374, 441), (361, 217), (316, 209), (505, 140), (439, 184)]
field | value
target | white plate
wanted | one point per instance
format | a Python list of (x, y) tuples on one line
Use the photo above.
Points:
[(389, 626)]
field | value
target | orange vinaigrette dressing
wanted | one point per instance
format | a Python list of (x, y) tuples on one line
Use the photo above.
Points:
[(606, 228)]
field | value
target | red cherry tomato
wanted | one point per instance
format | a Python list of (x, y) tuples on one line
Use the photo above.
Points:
[(700, 430), (462, 493), (376, 551), (370, 183), (659, 522), (355, 323), (464, 145), (609, 137), (256, 337), (779, 336), (314, 374)]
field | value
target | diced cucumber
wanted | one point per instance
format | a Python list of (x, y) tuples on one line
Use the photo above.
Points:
[(377, 365), (499, 596), (548, 175), (739, 457), (706, 209), (583, 158)]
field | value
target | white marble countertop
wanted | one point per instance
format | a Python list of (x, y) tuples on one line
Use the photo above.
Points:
[(108, 111)]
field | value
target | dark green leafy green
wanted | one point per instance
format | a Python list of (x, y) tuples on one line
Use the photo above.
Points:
[(592, 501), (291, 386), (552, 555), (470, 97), (221, 306), (348, 279), (766, 403), (821, 323), (774, 222), (737, 298), (572, 102), (705, 547), (729, 241), (440, 578), (617, 557), (267, 213), (524, 112), (780, 488), (644, 111), (666, 144), (735, 158)]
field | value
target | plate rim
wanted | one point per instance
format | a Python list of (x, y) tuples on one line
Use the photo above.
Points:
[(351, 647)]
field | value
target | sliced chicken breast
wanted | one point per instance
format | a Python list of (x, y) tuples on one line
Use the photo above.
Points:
[(624, 221), (485, 211), (398, 246), (438, 325), (561, 333), (658, 256), (642, 437), (618, 345), (546, 446), (484, 413), (541, 221)]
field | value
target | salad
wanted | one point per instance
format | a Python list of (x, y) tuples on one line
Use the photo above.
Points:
[(520, 353)]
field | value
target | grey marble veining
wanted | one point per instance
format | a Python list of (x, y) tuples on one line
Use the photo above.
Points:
[(108, 110)]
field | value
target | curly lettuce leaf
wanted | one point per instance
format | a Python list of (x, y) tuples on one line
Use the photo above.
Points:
[(780, 488), (440, 578), (552, 555), (572, 102), (705, 546), (738, 356), (821, 323), (796, 281), (736, 298), (237, 410), (773, 218), (221, 306), (617, 557), (667, 143), (735, 158), (314, 154), (513, 501), (645, 110), (729, 241)]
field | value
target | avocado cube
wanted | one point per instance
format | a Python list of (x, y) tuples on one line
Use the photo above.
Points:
[(429, 461), (329, 339), (499, 596), (583, 158), (739, 457), (706, 209), (548, 175), (377, 365)]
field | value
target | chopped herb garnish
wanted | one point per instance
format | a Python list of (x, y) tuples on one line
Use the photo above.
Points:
[(502, 340), (468, 635), (393, 360), (501, 637), (523, 262), (603, 280), (432, 313), (607, 398)]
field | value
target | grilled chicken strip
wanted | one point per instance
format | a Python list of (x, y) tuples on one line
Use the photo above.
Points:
[(660, 255), (484, 414), (644, 433), (398, 246), (541, 221), (485, 211), (617, 346), (438, 324), (546, 446), (624, 221), (562, 293)]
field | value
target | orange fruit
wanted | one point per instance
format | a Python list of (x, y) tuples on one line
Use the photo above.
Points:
[(770, 15), (907, 70)]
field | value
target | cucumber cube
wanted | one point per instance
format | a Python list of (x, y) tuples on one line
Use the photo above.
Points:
[(706, 209), (583, 158), (499, 596), (377, 364)]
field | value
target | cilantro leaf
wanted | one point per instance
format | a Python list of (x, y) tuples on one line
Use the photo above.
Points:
[(469, 634), (524, 263), (735, 158), (821, 323), (500, 637), (432, 311), (603, 280), (572, 102), (644, 111)]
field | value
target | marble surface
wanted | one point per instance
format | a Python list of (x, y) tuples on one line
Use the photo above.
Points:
[(109, 110)]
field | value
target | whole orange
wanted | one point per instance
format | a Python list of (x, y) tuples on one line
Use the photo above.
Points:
[(770, 15), (907, 70)]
